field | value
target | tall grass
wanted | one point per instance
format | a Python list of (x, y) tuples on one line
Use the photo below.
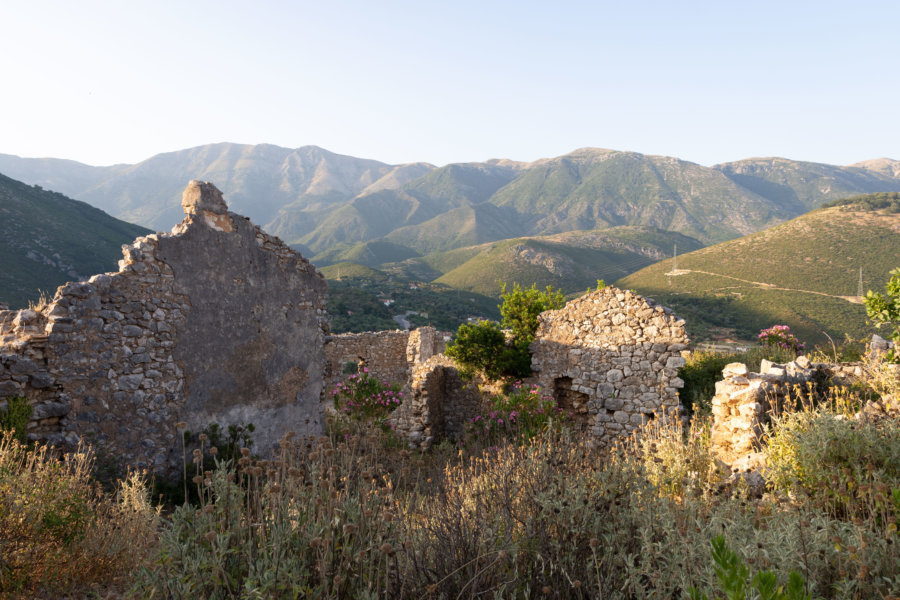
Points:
[(58, 530), (341, 517), (351, 515)]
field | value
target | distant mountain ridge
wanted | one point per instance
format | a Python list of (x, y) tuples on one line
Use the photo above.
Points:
[(325, 202)]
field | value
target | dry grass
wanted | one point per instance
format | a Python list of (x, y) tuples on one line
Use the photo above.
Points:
[(58, 531), (351, 515)]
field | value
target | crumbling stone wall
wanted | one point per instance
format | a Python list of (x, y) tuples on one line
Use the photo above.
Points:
[(436, 403), (214, 322), (611, 357), (388, 355), (745, 401)]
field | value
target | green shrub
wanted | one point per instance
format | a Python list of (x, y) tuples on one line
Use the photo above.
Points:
[(519, 415), (484, 347), (361, 396), (479, 346), (15, 417), (733, 574), (841, 465), (885, 310), (780, 336)]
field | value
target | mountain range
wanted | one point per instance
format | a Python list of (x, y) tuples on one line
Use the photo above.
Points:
[(326, 204), (566, 221)]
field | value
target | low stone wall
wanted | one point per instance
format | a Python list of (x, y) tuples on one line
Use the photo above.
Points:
[(388, 355), (611, 357), (214, 322), (745, 401)]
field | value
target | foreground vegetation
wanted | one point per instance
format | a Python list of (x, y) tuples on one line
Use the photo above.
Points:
[(531, 512)]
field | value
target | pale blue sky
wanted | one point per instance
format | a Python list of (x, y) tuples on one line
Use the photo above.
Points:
[(108, 82)]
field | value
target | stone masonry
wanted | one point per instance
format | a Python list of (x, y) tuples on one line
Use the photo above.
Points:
[(388, 355), (437, 403), (214, 322), (611, 357), (745, 401)]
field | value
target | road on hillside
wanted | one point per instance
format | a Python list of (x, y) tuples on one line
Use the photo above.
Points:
[(768, 286)]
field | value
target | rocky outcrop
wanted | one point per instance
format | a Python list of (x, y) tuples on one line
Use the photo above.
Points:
[(214, 322)]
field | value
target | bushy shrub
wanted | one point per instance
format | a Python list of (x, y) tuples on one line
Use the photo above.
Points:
[(364, 397), (519, 415), (780, 336), (843, 466), (484, 347), (479, 346), (885, 310), (734, 581), (58, 531)]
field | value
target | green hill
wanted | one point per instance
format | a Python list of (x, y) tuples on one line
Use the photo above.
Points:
[(571, 261), (371, 253), (803, 273), (47, 239)]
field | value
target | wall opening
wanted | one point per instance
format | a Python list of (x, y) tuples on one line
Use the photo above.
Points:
[(572, 402)]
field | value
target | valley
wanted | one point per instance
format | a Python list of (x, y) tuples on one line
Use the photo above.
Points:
[(397, 240)]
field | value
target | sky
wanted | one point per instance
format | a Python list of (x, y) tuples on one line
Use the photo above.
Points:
[(452, 81)]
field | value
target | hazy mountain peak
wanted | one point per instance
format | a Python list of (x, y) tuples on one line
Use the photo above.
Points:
[(885, 166)]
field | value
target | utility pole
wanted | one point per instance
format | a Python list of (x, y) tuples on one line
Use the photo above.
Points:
[(859, 289), (675, 258)]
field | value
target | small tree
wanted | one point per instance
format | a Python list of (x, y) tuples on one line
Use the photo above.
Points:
[(885, 310), (479, 346), (520, 309), (483, 346)]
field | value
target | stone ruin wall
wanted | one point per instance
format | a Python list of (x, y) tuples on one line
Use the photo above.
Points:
[(217, 322), (745, 401), (387, 355), (437, 403), (200, 325), (612, 358)]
